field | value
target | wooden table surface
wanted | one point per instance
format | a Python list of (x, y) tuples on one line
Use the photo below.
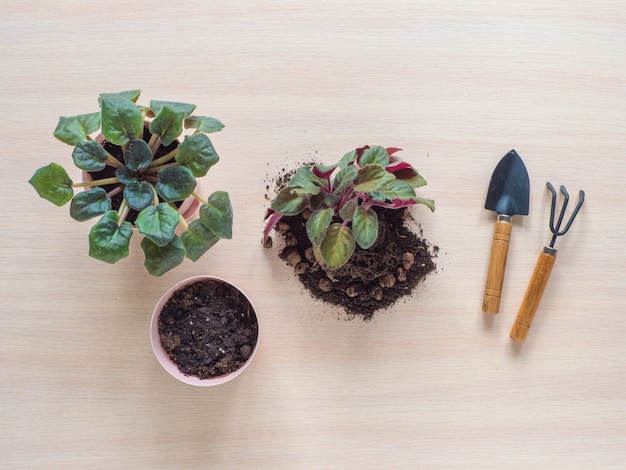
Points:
[(432, 383)]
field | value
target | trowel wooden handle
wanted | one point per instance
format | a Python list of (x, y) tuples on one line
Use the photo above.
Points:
[(533, 295), (497, 264)]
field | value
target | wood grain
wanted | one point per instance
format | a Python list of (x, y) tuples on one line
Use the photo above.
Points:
[(433, 383), (497, 266)]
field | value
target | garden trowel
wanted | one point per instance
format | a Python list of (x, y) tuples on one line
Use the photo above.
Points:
[(508, 195)]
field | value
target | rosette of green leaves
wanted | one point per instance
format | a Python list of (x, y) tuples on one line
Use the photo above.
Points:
[(122, 122), (342, 196)]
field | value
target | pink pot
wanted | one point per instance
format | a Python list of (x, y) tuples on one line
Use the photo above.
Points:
[(163, 357)]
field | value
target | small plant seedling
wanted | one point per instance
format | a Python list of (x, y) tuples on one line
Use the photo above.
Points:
[(152, 168), (341, 198)]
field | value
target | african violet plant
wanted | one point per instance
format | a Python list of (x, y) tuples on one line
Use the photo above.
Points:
[(341, 199), (144, 166)]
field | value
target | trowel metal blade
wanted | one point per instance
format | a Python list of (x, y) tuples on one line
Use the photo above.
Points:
[(509, 188)]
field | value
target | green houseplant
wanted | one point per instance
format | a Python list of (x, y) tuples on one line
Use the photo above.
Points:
[(340, 233), (136, 173)]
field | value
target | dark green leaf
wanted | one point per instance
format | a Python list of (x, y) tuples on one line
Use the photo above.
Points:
[(203, 124), (365, 227), (125, 175), (88, 204), (74, 129), (176, 183), (185, 108), (107, 241), (338, 245), (139, 194), (89, 155), (53, 184), (317, 225), (304, 182), (347, 159), (168, 124), (158, 223), (138, 155), (288, 203), (399, 190), (196, 152), (345, 176), (217, 214), (376, 155), (198, 239), (372, 178), (131, 95), (121, 120), (160, 259)]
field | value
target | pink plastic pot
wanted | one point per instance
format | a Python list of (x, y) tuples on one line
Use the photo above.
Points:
[(163, 357)]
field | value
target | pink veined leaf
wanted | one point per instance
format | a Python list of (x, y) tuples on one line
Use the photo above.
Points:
[(397, 203), (359, 153), (274, 218), (399, 166), (392, 150), (322, 174), (394, 204)]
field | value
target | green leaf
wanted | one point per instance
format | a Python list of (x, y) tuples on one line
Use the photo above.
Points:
[(138, 155), (306, 182), (317, 225), (121, 120), (168, 124), (107, 241), (411, 176), (337, 246), (198, 239), (347, 211), (203, 124), (88, 204), (372, 178), (288, 203), (131, 95), (427, 202), (139, 194), (376, 155), (365, 227), (125, 175), (160, 259), (347, 159), (74, 129), (53, 184), (89, 155), (196, 152), (185, 108), (158, 223), (345, 176), (399, 190), (176, 183), (217, 214)]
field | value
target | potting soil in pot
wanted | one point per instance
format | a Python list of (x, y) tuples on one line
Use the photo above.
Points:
[(208, 328)]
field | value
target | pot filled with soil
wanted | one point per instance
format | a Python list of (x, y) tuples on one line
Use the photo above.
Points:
[(347, 230), (140, 167), (204, 331)]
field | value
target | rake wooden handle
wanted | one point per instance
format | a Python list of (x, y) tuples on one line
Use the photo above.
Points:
[(497, 264), (538, 283)]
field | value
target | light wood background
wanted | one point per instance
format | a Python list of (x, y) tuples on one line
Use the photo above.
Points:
[(432, 383)]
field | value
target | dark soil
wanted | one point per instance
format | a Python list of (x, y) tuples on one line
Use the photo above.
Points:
[(208, 328), (373, 279)]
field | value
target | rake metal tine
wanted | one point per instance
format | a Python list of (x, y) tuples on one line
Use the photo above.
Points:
[(556, 231)]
